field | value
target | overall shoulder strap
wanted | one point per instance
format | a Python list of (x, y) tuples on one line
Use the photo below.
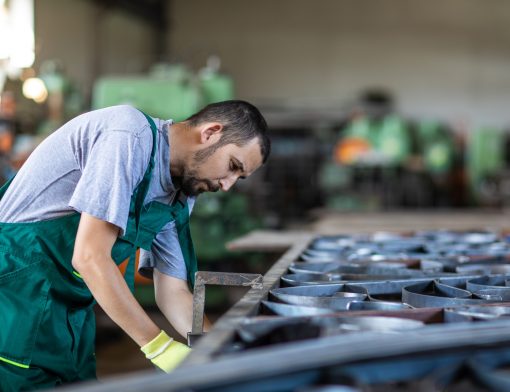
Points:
[(143, 187), (139, 195), (3, 189)]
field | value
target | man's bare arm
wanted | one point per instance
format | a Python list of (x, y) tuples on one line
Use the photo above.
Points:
[(92, 260), (176, 302)]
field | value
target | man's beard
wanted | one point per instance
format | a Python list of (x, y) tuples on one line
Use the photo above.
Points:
[(189, 183), (193, 186)]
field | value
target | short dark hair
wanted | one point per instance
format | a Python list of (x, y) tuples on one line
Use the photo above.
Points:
[(242, 122)]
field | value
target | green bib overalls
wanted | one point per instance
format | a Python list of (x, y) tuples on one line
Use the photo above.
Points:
[(47, 324)]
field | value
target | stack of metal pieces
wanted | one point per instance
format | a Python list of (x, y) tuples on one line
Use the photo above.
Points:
[(393, 287), (428, 311)]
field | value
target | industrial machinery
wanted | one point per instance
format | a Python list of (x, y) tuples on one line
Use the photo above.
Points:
[(488, 166), (389, 163), (167, 91)]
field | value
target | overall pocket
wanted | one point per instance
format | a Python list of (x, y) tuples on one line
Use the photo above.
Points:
[(23, 297)]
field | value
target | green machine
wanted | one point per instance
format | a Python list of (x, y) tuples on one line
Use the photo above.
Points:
[(394, 140), (389, 138), (436, 147), (485, 155), (369, 153), (215, 86), (168, 91)]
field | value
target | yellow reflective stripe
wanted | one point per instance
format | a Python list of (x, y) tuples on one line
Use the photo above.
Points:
[(77, 274), (14, 363)]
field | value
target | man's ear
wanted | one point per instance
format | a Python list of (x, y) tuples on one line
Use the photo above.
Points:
[(210, 133)]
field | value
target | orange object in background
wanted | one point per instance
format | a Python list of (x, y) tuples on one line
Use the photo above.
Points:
[(6, 141), (139, 279), (348, 150)]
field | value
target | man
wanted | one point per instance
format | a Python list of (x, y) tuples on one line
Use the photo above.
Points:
[(104, 184)]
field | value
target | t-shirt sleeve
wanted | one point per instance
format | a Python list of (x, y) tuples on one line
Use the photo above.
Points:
[(165, 255), (114, 167)]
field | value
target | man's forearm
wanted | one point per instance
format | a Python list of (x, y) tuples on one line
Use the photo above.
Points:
[(111, 292), (176, 302)]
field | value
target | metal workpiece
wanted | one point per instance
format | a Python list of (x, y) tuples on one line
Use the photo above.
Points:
[(424, 310), (279, 309), (203, 278), (488, 282), (483, 269), (321, 296), (280, 330), (367, 358), (223, 333), (476, 312), (376, 289), (376, 305), (367, 266), (436, 295)]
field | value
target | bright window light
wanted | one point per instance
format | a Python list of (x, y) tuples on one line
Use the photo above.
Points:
[(16, 34)]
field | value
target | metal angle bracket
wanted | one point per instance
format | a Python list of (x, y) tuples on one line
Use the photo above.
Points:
[(203, 278)]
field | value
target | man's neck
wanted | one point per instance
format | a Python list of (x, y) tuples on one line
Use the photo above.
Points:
[(177, 143)]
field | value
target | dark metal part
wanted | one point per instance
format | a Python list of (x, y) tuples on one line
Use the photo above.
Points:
[(280, 330), (324, 296), (376, 305), (203, 278), (476, 312), (403, 354), (287, 310), (488, 282), (436, 295)]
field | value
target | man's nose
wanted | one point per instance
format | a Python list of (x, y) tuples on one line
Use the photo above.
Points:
[(227, 183)]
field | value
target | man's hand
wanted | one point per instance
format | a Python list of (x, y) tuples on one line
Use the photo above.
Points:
[(164, 352)]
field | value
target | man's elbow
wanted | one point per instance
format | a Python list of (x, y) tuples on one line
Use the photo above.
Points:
[(85, 261)]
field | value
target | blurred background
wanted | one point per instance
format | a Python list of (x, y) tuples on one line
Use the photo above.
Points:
[(384, 105)]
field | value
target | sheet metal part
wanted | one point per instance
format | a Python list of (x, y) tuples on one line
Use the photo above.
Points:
[(258, 333), (437, 295), (281, 309), (476, 312), (399, 357)]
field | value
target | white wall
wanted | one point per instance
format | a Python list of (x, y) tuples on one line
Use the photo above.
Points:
[(448, 59)]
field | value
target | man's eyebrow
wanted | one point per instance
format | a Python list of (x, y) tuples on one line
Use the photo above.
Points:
[(240, 167), (239, 164)]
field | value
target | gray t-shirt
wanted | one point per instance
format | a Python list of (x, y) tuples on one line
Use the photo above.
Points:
[(92, 164)]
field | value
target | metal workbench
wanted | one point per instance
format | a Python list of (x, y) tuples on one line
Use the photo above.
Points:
[(212, 368)]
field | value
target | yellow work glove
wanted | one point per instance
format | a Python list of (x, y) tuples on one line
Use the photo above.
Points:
[(164, 352)]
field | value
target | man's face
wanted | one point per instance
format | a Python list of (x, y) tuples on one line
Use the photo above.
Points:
[(221, 169)]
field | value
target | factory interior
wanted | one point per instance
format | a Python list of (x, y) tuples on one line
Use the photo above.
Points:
[(370, 252)]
